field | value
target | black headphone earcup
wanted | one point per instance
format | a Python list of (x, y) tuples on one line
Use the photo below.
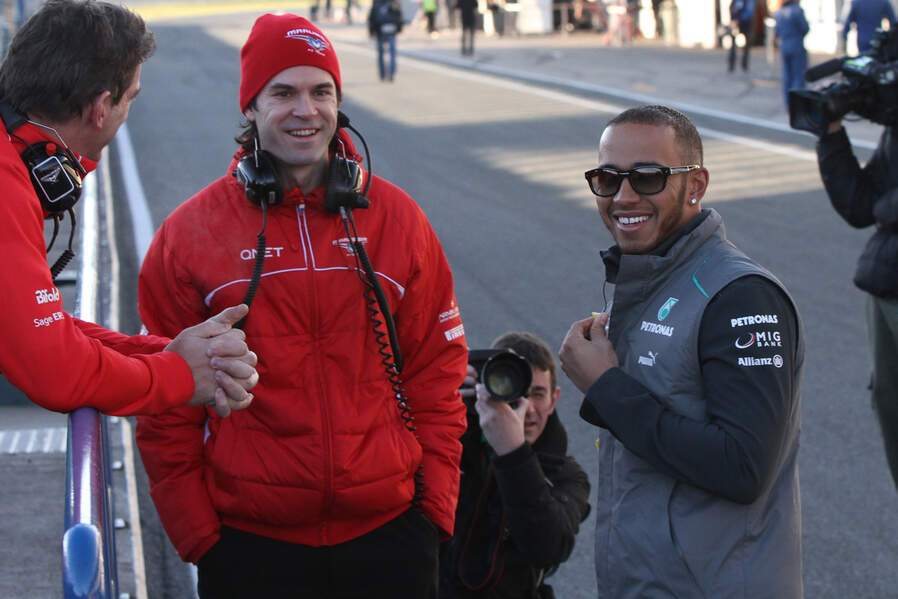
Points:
[(344, 185), (55, 172), (56, 178), (258, 175)]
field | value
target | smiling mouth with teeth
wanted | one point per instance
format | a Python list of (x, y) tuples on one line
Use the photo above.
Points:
[(303, 132), (632, 220)]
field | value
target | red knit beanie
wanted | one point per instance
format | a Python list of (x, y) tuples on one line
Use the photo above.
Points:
[(278, 42)]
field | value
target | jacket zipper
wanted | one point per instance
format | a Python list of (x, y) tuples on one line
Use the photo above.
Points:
[(304, 235)]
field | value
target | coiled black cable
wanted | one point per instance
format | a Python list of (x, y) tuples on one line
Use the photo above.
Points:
[(261, 246), (391, 358), (67, 254)]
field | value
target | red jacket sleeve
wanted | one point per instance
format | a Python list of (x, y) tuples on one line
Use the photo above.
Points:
[(123, 344), (432, 340), (171, 444), (50, 356)]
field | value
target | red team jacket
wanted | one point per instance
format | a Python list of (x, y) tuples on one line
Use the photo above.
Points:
[(61, 362), (322, 455)]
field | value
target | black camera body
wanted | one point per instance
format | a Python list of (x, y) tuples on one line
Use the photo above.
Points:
[(506, 375), (869, 88)]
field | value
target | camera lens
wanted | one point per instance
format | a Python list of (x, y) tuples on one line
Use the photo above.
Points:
[(501, 380), (507, 376)]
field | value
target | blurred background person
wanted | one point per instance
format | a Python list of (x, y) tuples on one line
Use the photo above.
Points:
[(742, 21), (468, 9), (430, 13), (867, 16), (384, 23), (791, 28)]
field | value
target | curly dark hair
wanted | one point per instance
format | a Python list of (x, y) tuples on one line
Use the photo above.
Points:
[(71, 51), (248, 132)]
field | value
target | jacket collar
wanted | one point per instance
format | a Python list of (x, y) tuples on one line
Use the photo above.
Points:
[(697, 229), (554, 437), (29, 134), (315, 198)]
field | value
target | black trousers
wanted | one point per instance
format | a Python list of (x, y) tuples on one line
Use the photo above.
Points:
[(746, 28), (398, 560)]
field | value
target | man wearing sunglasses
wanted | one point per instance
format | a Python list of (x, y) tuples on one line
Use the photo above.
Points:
[(693, 377)]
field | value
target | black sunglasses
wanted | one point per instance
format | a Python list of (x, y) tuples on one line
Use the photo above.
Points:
[(605, 181)]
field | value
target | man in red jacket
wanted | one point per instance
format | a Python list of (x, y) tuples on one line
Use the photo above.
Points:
[(342, 477), (66, 84)]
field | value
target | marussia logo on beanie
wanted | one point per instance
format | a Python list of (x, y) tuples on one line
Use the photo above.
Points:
[(316, 44)]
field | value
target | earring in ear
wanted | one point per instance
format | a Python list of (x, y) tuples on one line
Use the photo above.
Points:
[(693, 201)]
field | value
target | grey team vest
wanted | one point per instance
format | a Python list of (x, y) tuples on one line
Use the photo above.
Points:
[(655, 536)]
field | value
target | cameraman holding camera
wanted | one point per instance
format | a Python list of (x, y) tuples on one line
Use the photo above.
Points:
[(522, 497), (863, 197)]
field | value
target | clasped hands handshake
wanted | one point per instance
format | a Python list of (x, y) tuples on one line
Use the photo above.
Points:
[(222, 365)]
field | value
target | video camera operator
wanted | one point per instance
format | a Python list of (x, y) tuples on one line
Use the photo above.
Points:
[(522, 498), (868, 87), (864, 197)]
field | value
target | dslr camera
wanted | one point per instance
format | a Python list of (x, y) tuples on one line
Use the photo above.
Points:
[(505, 374), (868, 88)]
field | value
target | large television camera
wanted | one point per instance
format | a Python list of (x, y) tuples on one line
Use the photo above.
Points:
[(868, 88)]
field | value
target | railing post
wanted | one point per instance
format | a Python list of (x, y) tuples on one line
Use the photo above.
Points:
[(88, 543)]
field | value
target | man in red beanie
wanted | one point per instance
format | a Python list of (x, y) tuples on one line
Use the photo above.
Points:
[(342, 477)]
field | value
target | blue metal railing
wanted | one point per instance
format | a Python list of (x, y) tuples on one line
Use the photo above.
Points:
[(88, 544), (89, 568)]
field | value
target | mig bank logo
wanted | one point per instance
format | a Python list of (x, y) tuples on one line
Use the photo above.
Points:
[(664, 310)]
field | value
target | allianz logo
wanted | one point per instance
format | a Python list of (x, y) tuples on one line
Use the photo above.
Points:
[(776, 360)]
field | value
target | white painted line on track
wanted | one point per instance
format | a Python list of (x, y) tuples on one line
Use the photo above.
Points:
[(14, 442), (137, 201), (112, 319), (195, 578), (33, 441), (142, 223), (140, 574), (87, 279)]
